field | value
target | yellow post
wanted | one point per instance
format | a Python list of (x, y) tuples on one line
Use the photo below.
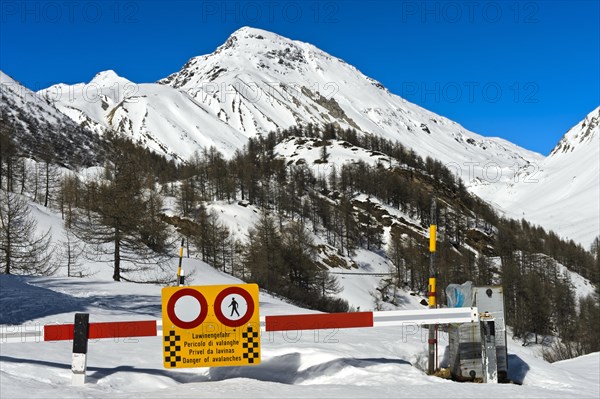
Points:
[(432, 296), (432, 293), (432, 290), (180, 260)]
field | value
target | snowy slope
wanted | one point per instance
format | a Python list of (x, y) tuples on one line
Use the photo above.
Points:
[(564, 193), (386, 362), (16, 98), (26, 114), (306, 151)]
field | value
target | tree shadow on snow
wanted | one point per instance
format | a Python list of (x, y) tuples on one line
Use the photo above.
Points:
[(21, 302), (284, 369), (140, 304), (178, 376), (95, 374), (45, 363), (148, 305)]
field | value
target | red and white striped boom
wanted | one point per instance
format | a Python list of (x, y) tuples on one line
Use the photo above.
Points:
[(316, 321)]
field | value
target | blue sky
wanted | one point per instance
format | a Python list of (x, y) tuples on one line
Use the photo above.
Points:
[(523, 70)]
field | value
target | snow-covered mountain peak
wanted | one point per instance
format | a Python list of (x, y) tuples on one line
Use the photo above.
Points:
[(258, 41), (582, 137), (255, 56), (106, 87), (259, 81), (250, 31), (108, 78), (562, 192), (248, 35)]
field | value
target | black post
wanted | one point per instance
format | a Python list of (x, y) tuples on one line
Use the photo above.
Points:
[(81, 330), (182, 278), (81, 333)]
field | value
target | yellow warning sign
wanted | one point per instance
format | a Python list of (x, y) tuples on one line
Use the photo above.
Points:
[(211, 326)]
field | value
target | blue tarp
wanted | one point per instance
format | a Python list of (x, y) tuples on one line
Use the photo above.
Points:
[(460, 295)]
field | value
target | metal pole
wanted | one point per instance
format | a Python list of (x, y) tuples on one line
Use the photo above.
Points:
[(179, 280), (488, 349), (432, 294)]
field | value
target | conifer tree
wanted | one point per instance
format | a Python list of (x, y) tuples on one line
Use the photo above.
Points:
[(121, 223), (23, 250), (262, 256)]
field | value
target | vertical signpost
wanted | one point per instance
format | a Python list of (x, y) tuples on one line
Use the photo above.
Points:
[(180, 274), (81, 329), (432, 294), (211, 326)]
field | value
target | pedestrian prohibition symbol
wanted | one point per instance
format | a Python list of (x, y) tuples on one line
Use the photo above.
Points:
[(211, 326)]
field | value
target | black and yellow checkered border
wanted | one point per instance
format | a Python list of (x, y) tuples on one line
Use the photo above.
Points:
[(251, 343), (172, 348)]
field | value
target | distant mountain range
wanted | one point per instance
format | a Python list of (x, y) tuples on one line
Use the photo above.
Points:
[(258, 81)]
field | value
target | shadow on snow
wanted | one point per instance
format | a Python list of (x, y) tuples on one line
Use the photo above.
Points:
[(282, 369), (21, 302)]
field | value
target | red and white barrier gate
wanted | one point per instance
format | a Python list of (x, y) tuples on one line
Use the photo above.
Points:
[(151, 328), (82, 330)]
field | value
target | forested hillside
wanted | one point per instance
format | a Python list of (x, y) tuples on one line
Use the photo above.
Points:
[(316, 213)]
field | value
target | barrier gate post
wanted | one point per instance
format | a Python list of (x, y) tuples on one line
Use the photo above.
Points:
[(432, 292), (81, 330), (488, 349)]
